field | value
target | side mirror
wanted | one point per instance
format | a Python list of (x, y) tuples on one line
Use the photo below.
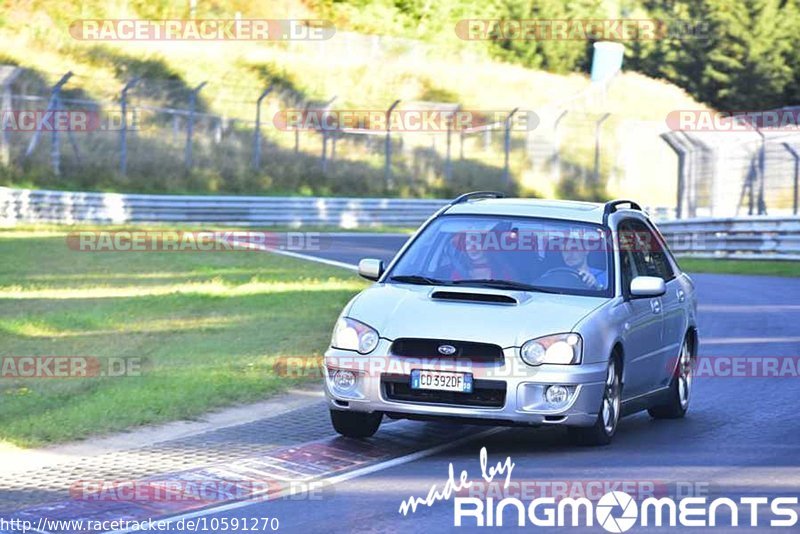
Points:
[(370, 269), (647, 286)]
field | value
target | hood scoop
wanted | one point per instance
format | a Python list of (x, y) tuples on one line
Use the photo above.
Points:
[(463, 296)]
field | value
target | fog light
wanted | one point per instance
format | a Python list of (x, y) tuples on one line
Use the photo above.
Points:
[(344, 380), (556, 395)]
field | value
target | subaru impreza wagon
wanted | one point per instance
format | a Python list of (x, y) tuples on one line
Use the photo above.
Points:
[(509, 311)]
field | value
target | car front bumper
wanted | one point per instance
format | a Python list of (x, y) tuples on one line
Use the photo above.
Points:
[(524, 386)]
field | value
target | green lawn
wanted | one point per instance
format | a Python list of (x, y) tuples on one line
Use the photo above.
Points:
[(756, 267), (208, 327)]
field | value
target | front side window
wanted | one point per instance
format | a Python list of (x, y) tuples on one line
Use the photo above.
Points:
[(524, 253), (643, 251)]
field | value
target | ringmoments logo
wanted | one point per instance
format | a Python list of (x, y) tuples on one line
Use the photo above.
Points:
[(616, 500), (615, 511)]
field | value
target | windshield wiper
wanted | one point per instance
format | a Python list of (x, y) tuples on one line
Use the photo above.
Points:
[(503, 284), (417, 279)]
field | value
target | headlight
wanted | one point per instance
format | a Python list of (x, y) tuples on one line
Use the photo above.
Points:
[(349, 334), (561, 349)]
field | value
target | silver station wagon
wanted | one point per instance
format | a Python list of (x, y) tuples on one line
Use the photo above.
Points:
[(508, 311)]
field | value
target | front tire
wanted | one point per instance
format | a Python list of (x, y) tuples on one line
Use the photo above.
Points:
[(680, 389), (356, 424), (604, 428)]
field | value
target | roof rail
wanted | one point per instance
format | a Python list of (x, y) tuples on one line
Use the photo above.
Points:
[(476, 195), (613, 205)]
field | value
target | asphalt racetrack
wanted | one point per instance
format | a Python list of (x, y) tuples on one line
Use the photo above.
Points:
[(740, 438)]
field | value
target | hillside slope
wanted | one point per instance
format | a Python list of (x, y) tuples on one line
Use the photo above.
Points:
[(363, 72)]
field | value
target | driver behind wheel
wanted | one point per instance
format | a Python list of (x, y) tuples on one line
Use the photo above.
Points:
[(578, 260)]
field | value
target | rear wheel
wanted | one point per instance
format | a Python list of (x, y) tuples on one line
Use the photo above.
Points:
[(605, 426), (356, 424), (680, 389)]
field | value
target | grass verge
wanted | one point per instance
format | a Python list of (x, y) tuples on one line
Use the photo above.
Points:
[(207, 326), (754, 267)]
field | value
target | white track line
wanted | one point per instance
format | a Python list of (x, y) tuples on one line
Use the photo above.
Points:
[(297, 255), (335, 479)]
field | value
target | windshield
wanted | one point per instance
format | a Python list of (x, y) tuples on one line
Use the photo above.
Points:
[(509, 253)]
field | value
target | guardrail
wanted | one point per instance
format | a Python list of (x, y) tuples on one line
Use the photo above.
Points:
[(740, 238), (747, 237), (62, 207)]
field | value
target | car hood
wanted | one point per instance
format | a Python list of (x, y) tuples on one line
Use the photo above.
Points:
[(404, 310)]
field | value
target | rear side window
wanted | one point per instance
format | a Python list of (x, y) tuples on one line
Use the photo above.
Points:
[(641, 251)]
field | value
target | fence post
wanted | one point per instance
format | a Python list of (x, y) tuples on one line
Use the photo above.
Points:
[(680, 150), (7, 107), (123, 131), (507, 147), (55, 153), (257, 131), (448, 164), (762, 205), (297, 129), (555, 173), (796, 156), (333, 145), (324, 129), (597, 127), (190, 125), (387, 170)]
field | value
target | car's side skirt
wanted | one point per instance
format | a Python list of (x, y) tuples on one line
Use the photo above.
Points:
[(644, 401)]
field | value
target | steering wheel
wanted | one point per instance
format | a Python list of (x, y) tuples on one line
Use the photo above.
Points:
[(562, 276)]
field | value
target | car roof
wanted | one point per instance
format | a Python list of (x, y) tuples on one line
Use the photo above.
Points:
[(568, 210)]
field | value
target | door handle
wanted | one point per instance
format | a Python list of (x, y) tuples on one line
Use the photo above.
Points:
[(681, 295), (655, 305)]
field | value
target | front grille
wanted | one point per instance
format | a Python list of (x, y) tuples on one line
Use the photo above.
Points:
[(429, 349), (485, 393)]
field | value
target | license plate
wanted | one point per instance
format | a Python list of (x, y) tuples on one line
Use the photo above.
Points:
[(441, 381)]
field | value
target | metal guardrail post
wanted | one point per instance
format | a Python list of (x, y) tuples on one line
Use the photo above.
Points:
[(257, 130), (190, 125), (123, 131)]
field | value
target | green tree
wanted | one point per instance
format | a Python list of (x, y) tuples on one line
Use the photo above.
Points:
[(731, 54)]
